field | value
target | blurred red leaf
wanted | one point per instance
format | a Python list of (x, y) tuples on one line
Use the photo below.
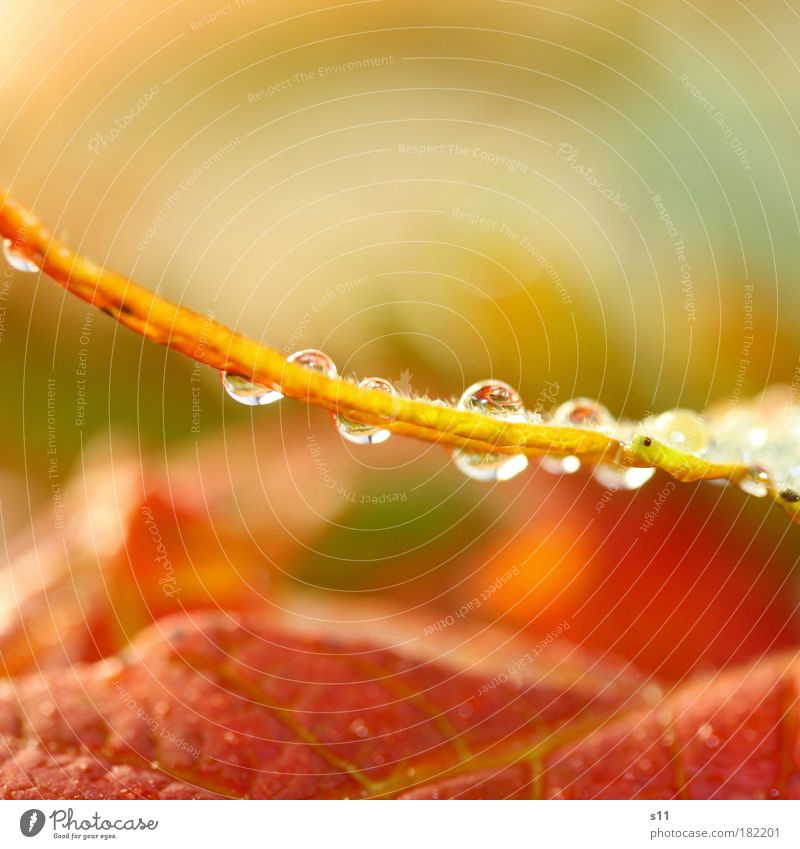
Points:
[(704, 583), (141, 542), (224, 706)]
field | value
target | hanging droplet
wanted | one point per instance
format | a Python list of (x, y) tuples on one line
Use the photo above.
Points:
[(365, 434), (613, 476), (583, 412), (499, 400), (17, 260), (681, 429), (755, 482), (561, 465), (257, 395), (246, 392)]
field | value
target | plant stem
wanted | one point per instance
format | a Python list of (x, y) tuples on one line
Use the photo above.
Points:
[(219, 347)]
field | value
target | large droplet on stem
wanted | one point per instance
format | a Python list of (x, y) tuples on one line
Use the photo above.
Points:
[(584, 412), (365, 434), (577, 412), (246, 392), (258, 395), (499, 400), (681, 429)]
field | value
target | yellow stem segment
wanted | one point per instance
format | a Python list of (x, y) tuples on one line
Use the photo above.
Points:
[(182, 329)]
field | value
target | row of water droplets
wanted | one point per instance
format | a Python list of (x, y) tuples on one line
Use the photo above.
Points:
[(258, 395), (680, 428), (763, 434)]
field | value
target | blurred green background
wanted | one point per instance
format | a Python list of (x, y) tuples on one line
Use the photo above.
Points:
[(573, 192)]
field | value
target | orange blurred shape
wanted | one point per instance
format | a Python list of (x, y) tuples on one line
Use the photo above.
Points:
[(700, 583)]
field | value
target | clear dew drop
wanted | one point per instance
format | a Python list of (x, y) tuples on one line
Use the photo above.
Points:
[(315, 360), (259, 395), (679, 428), (584, 412), (16, 260), (246, 392), (619, 477), (561, 465), (365, 434), (755, 482), (497, 399), (493, 398)]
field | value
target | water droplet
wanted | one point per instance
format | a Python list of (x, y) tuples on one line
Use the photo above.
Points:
[(755, 482), (584, 412), (359, 728), (493, 398), (497, 399), (17, 260), (246, 392), (620, 477), (315, 360), (365, 434), (681, 429), (258, 395), (561, 465)]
